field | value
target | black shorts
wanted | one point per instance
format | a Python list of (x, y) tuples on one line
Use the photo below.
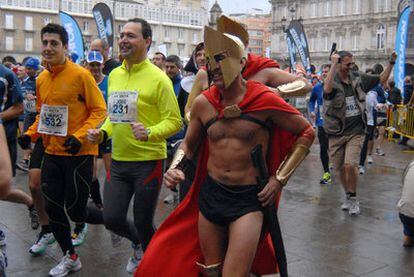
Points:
[(105, 148), (222, 204), (36, 159)]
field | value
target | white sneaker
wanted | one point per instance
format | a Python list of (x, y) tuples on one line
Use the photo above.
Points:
[(134, 261), (346, 205), (361, 170), (79, 238), (354, 206), (380, 152), (369, 159), (66, 266), (41, 244), (171, 198)]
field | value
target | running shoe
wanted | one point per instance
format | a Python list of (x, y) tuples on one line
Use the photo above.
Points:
[(346, 205), (354, 206), (78, 236), (326, 179), (135, 259), (380, 152), (34, 218), (369, 159), (43, 240), (67, 264), (23, 165), (361, 170)]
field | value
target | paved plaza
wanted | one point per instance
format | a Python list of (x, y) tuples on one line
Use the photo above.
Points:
[(321, 240)]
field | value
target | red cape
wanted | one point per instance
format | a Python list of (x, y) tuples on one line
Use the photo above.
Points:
[(256, 63), (174, 249)]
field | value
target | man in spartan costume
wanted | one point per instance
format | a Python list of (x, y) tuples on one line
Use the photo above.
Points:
[(218, 229)]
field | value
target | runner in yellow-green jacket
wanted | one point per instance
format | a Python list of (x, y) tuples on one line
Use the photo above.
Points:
[(142, 113)]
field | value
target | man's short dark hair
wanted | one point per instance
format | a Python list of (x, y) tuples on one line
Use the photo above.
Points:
[(9, 59), (174, 59), (326, 66), (391, 84), (54, 28), (146, 27), (160, 53), (344, 54)]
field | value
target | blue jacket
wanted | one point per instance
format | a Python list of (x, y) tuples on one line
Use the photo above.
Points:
[(316, 100)]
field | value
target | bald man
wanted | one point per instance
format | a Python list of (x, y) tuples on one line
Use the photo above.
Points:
[(103, 47)]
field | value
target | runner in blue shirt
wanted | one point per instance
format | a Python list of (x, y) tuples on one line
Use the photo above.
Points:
[(316, 113)]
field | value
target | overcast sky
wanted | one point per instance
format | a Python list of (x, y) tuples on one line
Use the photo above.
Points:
[(241, 6)]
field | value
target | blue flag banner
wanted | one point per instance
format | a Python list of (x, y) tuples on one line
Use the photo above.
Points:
[(104, 23), (298, 36), (401, 47), (75, 43), (292, 52)]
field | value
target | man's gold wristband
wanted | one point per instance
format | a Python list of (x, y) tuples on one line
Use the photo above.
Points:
[(291, 162), (178, 158)]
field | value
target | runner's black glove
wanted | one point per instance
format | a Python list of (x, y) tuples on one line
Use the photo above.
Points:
[(73, 145), (24, 141)]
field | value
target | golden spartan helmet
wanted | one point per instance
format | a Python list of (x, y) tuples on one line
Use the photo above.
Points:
[(229, 26), (224, 50)]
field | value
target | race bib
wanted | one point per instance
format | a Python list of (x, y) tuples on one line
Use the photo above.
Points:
[(122, 106), (53, 120), (351, 107), (29, 105)]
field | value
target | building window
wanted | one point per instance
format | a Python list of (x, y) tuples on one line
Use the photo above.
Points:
[(180, 33), (9, 21), (166, 32), (86, 26), (386, 5), (381, 37), (180, 50), (9, 43), (355, 38), (340, 39), (28, 44), (46, 20), (341, 7), (356, 6), (28, 23), (313, 10), (325, 43), (327, 8), (311, 44), (120, 27), (195, 37)]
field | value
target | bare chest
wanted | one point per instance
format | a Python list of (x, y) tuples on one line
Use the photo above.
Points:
[(235, 128)]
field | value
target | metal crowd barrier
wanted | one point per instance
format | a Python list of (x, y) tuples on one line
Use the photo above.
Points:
[(400, 120)]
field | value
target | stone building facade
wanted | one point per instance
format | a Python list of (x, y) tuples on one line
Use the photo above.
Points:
[(367, 28), (259, 28), (177, 24)]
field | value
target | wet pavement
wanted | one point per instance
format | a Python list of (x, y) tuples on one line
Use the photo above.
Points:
[(321, 240)]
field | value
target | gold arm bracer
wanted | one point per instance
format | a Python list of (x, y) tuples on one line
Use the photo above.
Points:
[(187, 117), (178, 158), (291, 162), (292, 89)]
